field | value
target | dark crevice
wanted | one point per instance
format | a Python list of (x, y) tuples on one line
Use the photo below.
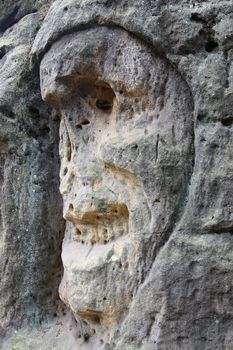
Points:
[(34, 112), (227, 84), (219, 230), (7, 112), (2, 52), (103, 105), (228, 121), (211, 45), (201, 117), (196, 17), (83, 122), (157, 148), (10, 20), (206, 33), (13, 18)]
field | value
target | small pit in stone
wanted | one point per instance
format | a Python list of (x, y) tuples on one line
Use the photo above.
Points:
[(82, 123), (211, 46), (95, 319), (196, 17), (77, 232), (104, 105), (69, 150), (227, 121), (71, 207)]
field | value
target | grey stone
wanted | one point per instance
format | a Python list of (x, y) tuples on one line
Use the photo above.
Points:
[(31, 220), (122, 166), (144, 93)]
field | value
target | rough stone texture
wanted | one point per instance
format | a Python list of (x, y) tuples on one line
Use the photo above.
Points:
[(11, 11), (126, 151), (31, 220), (169, 246)]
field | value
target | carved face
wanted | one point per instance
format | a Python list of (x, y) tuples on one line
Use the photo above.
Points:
[(125, 137)]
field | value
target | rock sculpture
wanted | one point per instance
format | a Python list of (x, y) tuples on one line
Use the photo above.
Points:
[(142, 93), (125, 145)]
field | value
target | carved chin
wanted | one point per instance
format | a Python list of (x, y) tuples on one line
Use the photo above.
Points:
[(96, 283)]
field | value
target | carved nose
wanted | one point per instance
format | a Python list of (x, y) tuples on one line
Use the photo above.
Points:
[(102, 224), (88, 203), (96, 216)]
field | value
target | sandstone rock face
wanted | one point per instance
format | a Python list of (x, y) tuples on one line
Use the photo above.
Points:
[(31, 209), (142, 93), (126, 159)]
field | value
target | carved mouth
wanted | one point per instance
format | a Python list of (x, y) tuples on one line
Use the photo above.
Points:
[(78, 257), (99, 226)]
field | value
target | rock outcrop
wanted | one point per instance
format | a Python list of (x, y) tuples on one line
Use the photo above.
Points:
[(142, 92)]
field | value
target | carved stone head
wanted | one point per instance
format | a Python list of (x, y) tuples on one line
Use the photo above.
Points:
[(125, 143)]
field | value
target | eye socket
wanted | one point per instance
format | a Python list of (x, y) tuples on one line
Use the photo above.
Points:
[(98, 94), (104, 105)]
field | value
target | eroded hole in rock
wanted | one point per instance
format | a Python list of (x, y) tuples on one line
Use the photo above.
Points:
[(135, 146), (69, 150), (83, 122), (98, 94), (228, 121), (211, 46), (77, 232), (201, 117), (71, 207), (196, 17), (86, 337), (104, 105)]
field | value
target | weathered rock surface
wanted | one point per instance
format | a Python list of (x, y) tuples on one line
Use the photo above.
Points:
[(143, 93), (31, 219)]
